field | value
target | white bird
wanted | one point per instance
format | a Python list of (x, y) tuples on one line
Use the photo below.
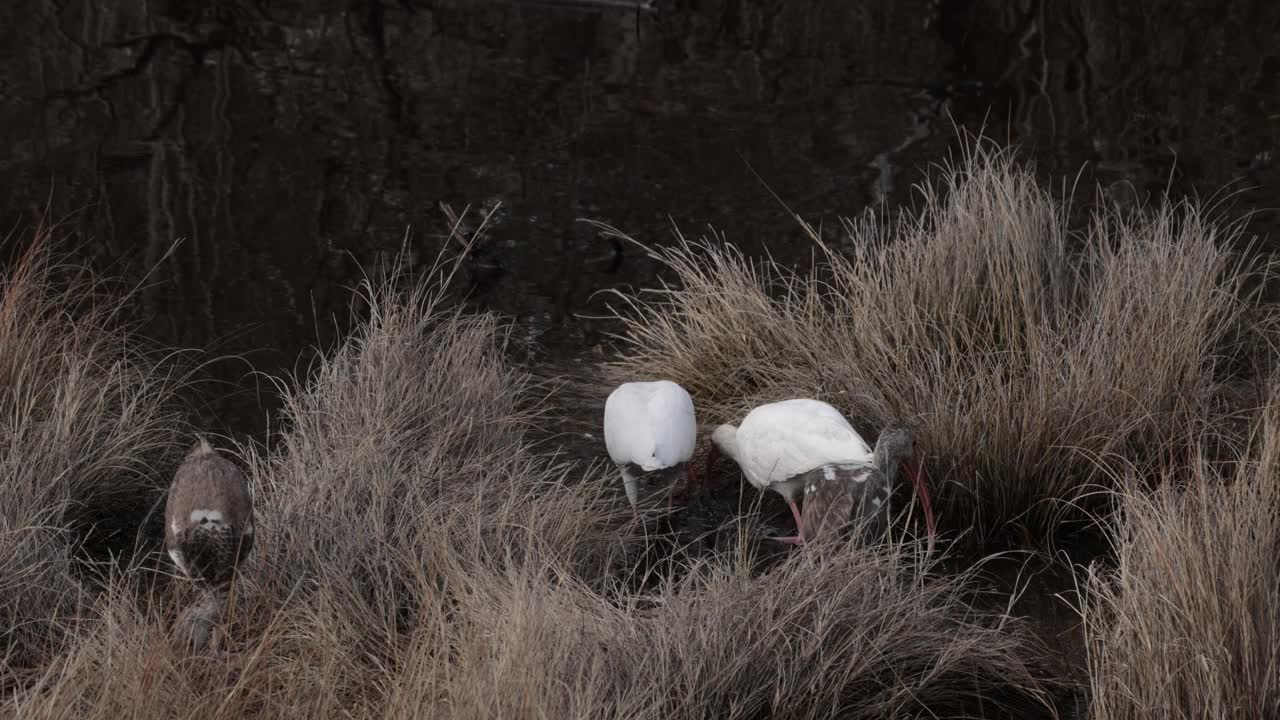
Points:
[(780, 446), (650, 432)]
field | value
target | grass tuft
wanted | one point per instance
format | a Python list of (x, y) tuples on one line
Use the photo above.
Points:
[(88, 421), (1028, 356), (1186, 624), (417, 556)]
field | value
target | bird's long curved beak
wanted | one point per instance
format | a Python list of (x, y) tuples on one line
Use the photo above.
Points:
[(917, 475)]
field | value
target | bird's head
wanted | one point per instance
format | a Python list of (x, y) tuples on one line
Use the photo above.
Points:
[(725, 439), (897, 444)]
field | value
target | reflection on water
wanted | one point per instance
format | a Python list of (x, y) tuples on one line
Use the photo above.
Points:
[(287, 147)]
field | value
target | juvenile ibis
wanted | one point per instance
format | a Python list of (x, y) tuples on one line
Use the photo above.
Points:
[(791, 445), (208, 528), (650, 432), (841, 494)]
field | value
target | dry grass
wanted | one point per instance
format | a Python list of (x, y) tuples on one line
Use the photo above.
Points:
[(419, 556), (864, 635), (1187, 622), (416, 557), (1026, 355), (86, 413)]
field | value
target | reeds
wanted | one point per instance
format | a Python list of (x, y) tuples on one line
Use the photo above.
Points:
[(417, 557), (88, 417), (1186, 623), (1027, 356)]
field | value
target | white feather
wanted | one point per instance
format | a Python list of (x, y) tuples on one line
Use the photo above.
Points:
[(781, 440), (179, 560), (213, 516), (650, 424)]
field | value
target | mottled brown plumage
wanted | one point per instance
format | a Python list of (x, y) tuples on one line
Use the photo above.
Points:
[(208, 531), (208, 517), (836, 496)]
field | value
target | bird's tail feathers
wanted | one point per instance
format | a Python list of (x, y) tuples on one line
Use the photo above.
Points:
[(201, 448)]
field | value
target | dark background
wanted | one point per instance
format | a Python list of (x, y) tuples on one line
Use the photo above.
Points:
[(290, 144)]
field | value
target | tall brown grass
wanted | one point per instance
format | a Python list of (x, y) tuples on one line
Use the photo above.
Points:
[(1186, 624), (1026, 354), (87, 415), (418, 557)]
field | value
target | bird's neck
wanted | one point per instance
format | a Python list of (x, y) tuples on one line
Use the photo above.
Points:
[(725, 439), (888, 463)]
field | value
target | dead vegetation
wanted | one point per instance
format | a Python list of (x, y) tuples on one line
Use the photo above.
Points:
[(418, 555), (86, 412), (1027, 356), (1187, 622)]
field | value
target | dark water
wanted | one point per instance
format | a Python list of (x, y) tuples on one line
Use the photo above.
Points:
[(288, 144)]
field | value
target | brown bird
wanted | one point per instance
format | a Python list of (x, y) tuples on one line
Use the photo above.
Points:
[(839, 495), (208, 530)]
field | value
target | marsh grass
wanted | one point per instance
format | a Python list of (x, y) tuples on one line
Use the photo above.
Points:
[(1186, 623), (88, 419), (418, 556), (424, 551), (863, 635), (1028, 355)]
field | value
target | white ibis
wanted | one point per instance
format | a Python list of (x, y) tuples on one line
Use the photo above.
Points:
[(789, 445), (208, 528), (841, 494), (650, 432)]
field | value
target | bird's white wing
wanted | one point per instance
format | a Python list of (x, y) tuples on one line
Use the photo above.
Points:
[(650, 424), (784, 439), (628, 435), (675, 429)]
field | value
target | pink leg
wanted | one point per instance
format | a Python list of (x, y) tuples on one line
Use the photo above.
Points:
[(795, 513), (917, 477)]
